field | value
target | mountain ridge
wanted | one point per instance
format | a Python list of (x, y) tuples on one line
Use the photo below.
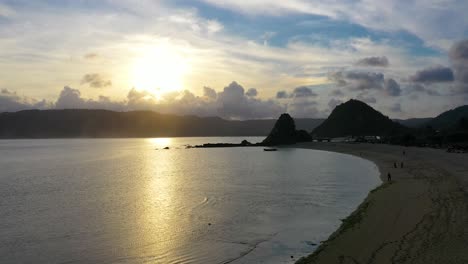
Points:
[(88, 123)]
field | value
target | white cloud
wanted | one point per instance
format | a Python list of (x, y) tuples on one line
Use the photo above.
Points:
[(231, 103), (437, 22)]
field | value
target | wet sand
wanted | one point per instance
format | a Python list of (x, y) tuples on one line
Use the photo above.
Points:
[(421, 216)]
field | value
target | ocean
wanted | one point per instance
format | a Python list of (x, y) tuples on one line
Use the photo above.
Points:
[(132, 201)]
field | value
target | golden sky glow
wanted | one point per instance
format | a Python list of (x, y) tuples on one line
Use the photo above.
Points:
[(105, 51), (159, 69)]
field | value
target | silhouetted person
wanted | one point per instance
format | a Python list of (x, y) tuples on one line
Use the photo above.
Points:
[(394, 165), (389, 177), (404, 152), (401, 165)]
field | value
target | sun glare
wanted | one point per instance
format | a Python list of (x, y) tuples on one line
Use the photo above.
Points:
[(160, 69), (160, 142)]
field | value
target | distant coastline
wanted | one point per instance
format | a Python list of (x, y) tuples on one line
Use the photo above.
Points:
[(82, 123), (420, 216)]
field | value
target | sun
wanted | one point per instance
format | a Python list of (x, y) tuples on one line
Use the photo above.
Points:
[(159, 70)]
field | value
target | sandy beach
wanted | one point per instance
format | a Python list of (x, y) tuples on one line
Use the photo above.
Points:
[(421, 216)]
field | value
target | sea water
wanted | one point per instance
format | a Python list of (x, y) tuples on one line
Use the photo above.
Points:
[(132, 201)]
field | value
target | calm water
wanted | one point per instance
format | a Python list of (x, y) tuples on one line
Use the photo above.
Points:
[(130, 201)]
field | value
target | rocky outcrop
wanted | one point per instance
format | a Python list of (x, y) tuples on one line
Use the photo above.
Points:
[(284, 132)]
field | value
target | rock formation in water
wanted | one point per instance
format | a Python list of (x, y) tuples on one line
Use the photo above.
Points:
[(284, 132)]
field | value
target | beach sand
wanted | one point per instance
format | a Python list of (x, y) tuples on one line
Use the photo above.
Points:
[(421, 216)]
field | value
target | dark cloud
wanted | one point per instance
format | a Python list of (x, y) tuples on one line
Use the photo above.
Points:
[(252, 92), (392, 88), (433, 75), (365, 82), (374, 62), (282, 95), (209, 92), (358, 81), (417, 88), (95, 80), (458, 55), (303, 91)]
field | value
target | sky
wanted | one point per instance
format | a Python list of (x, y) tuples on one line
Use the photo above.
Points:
[(234, 59)]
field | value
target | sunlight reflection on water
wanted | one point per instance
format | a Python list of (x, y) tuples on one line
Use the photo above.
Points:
[(121, 200)]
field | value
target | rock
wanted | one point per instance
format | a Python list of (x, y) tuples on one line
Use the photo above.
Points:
[(284, 132), (303, 136), (245, 143)]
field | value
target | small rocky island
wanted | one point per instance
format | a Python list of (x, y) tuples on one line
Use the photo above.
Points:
[(283, 133)]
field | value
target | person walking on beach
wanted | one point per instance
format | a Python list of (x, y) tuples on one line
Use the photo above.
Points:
[(389, 177)]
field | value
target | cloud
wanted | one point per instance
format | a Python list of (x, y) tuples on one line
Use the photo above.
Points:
[(252, 92), (374, 62), (91, 56), (417, 88), (233, 103), (282, 95), (265, 37), (337, 93), (458, 55), (333, 103), (366, 99), (389, 16), (303, 91), (358, 81), (396, 108), (303, 107), (365, 82), (11, 102), (95, 80), (433, 75), (209, 92), (70, 98), (392, 88), (5, 11)]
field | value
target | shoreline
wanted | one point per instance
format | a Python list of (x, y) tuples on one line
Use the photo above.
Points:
[(421, 216)]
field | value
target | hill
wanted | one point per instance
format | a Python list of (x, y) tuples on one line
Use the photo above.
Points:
[(413, 122), (102, 123), (355, 118), (449, 119)]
